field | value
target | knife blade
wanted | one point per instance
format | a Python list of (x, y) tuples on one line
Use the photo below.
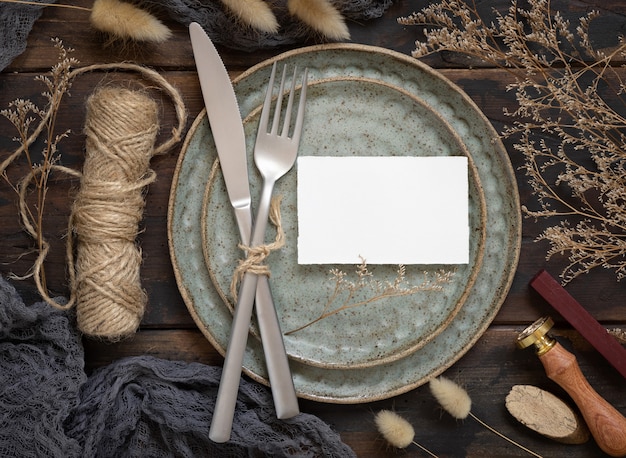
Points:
[(228, 133)]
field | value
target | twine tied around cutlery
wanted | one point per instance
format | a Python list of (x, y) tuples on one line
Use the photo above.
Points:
[(254, 262), (103, 257)]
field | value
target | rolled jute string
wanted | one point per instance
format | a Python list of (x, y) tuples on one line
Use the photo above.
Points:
[(121, 129), (148, 74), (103, 258), (254, 262)]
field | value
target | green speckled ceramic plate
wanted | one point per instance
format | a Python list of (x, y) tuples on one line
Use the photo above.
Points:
[(502, 228), (349, 117)]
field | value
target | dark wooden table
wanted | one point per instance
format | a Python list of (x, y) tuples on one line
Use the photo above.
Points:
[(488, 370)]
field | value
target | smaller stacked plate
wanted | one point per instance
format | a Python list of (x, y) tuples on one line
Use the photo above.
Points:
[(371, 342)]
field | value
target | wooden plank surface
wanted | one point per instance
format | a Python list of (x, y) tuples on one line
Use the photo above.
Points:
[(487, 371)]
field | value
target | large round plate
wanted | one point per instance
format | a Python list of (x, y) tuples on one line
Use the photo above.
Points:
[(344, 117), (502, 229)]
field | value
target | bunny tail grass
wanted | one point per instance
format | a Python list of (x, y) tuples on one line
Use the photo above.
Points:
[(255, 13), (321, 16), (397, 431), (455, 400), (124, 21), (394, 428), (452, 398)]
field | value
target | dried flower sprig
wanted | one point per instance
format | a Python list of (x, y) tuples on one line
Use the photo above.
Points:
[(564, 89), (457, 402), (30, 121), (345, 290), (397, 430)]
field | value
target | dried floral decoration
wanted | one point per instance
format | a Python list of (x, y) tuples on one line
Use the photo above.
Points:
[(31, 121), (320, 15), (255, 13), (120, 20), (565, 90), (455, 400), (123, 21), (397, 431), (343, 296)]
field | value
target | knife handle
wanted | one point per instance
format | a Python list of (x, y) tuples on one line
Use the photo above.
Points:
[(224, 412), (281, 381)]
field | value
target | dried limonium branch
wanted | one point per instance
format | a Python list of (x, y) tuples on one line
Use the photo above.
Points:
[(565, 90), (397, 431), (343, 296), (31, 121), (455, 400)]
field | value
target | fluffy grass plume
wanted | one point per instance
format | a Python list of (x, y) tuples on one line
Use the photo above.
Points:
[(320, 15), (255, 13), (397, 430), (123, 21), (455, 400), (451, 397)]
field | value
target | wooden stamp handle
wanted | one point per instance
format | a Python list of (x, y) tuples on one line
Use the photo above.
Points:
[(607, 425)]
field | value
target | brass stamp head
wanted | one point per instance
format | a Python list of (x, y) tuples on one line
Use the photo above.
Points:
[(536, 334)]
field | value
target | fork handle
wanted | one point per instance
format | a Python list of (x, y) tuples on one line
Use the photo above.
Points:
[(277, 363), (281, 381), (224, 412)]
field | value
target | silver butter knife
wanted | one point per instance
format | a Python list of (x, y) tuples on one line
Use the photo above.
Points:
[(227, 129)]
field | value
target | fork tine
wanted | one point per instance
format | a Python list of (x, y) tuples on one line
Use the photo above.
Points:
[(267, 104), (279, 102), (287, 120), (297, 131)]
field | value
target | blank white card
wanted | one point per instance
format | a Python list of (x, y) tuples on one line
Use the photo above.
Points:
[(386, 210)]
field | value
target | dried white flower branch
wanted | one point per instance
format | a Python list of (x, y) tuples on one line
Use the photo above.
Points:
[(30, 121), (565, 90), (345, 290)]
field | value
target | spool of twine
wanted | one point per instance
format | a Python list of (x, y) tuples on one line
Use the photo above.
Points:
[(121, 129)]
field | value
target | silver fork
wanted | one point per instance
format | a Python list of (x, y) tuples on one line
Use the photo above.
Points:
[(274, 155)]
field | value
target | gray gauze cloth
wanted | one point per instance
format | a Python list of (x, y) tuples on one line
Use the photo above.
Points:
[(134, 407), (16, 22)]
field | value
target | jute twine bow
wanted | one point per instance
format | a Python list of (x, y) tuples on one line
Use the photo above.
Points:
[(254, 262), (103, 257)]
